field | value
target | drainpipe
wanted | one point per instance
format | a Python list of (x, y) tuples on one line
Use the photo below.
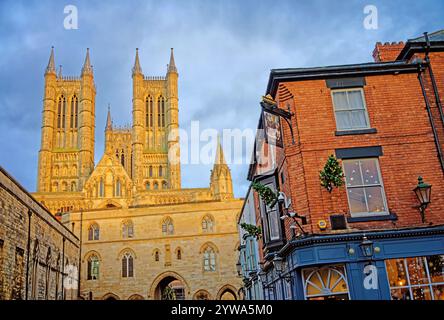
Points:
[(432, 78), (429, 112), (28, 248)]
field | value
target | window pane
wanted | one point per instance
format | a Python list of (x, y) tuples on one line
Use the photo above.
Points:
[(421, 293), (356, 198), (436, 268), (375, 199), (400, 294), (352, 173), (355, 99), (370, 171), (343, 120), (438, 292), (274, 225), (417, 271), (358, 119), (396, 272), (340, 100)]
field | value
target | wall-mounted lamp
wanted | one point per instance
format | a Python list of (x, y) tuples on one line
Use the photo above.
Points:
[(278, 264), (239, 268), (423, 193), (366, 247)]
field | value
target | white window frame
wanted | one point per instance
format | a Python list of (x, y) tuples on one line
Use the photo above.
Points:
[(315, 270), (408, 284), (367, 214), (367, 119)]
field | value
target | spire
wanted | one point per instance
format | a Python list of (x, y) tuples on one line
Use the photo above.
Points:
[(87, 68), (109, 124), (220, 159), (51, 64), (60, 71), (137, 68), (172, 64)]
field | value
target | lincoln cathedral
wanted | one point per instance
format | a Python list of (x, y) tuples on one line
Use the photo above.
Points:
[(138, 233)]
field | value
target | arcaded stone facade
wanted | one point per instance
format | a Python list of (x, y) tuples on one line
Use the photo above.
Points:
[(143, 236), (37, 253)]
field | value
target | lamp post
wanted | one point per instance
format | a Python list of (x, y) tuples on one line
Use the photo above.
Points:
[(423, 192)]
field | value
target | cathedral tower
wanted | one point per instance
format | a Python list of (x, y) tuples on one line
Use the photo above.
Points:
[(66, 156), (155, 124)]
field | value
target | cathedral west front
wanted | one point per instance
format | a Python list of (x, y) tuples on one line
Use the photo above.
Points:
[(142, 235)]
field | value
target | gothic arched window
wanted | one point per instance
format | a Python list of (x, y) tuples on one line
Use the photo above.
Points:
[(147, 186), (127, 229), (93, 267), (118, 188), (167, 227), (149, 111), (150, 173), (93, 232), (127, 265), (156, 186), (74, 111), (179, 254), (207, 224), (209, 259), (161, 112), (160, 171), (61, 110), (122, 158), (101, 188)]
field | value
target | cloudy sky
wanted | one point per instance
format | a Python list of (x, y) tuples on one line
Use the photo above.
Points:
[(224, 51)]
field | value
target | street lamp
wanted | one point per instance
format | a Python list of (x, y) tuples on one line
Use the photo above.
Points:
[(366, 247), (423, 191), (278, 264), (239, 268)]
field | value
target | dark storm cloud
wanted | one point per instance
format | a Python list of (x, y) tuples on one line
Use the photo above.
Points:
[(223, 49)]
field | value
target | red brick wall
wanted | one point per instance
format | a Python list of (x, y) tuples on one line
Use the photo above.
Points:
[(397, 110)]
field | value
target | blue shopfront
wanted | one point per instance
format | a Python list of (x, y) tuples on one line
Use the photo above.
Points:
[(402, 264)]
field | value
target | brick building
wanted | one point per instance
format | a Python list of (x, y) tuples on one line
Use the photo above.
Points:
[(383, 123), (38, 255)]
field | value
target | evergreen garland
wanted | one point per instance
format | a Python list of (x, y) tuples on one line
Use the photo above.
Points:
[(332, 174), (266, 194), (252, 230)]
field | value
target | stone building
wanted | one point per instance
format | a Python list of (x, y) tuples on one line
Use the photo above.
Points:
[(38, 255), (143, 236)]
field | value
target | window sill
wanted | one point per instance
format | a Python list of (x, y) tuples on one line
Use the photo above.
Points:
[(354, 132), (386, 217)]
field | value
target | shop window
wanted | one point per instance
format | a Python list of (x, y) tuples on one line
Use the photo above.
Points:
[(418, 278), (325, 283)]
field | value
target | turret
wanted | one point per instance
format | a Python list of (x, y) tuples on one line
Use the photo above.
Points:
[(86, 120), (221, 184), (173, 124), (108, 131), (48, 120), (138, 117)]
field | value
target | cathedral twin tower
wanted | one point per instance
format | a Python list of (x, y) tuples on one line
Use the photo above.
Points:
[(140, 165), (149, 151)]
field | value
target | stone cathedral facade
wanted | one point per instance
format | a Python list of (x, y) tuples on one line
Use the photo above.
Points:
[(142, 235)]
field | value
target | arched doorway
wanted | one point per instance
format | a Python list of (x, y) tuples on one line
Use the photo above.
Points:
[(110, 297), (227, 292), (170, 288)]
